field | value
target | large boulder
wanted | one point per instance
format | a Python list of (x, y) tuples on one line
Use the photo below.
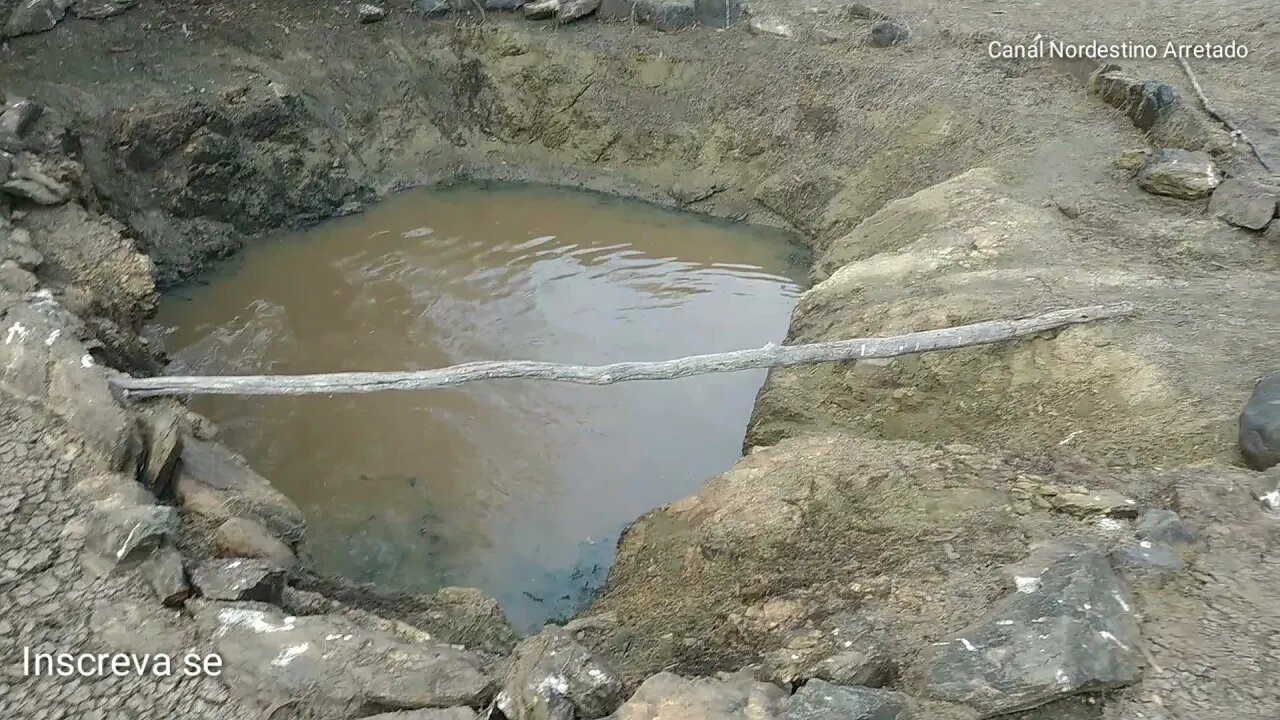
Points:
[(1070, 626), (338, 665), (968, 250), (1260, 424), (819, 700), (552, 677), (1245, 203), (1179, 174)]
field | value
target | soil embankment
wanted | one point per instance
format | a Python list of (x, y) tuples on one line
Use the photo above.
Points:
[(958, 517)]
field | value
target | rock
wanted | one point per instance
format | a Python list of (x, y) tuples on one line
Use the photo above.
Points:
[(368, 13), (238, 579), (431, 8), (16, 248), (1102, 502), (100, 9), (770, 26), (456, 713), (466, 616), (162, 436), (33, 16), (541, 10), (571, 10), (122, 533), (1244, 203), (1145, 102), (29, 181), (669, 15), (17, 118), (553, 677), (165, 573), (214, 484), (1069, 628), (1180, 174), (1147, 555), (819, 700), (850, 653), (1260, 424), (340, 666), (1269, 493), (1165, 526), (887, 34), (667, 696), (245, 538)]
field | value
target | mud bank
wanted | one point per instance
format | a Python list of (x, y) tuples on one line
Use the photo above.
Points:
[(879, 502)]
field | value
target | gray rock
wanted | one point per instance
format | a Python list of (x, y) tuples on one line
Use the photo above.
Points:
[(819, 700), (1069, 628), (16, 247), (1147, 555), (851, 652), (368, 13), (28, 180), (215, 484), (432, 8), (1101, 502), (551, 677), (162, 435), (165, 573), (1244, 203), (340, 666), (669, 15), (1180, 174), (1165, 526), (18, 116), (1260, 424), (33, 16), (887, 34), (1144, 101), (245, 538), (771, 26), (238, 579), (100, 9), (122, 533), (666, 696), (455, 713), (571, 10), (541, 9)]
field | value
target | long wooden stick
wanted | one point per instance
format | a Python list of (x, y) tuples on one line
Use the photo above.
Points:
[(1212, 112), (769, 356)]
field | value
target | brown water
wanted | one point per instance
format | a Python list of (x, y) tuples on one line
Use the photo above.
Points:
[(516, 487)]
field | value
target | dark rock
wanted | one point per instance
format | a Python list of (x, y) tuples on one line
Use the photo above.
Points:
[(1147, 555), (368, 13), (553, 677), (1180, 174), (33, 16), (1069, 628), (245, 538), (150, 131), (1146, 102), (162, 435), (432, 8), (851, 652), (819, 700), (1165, 526), (1244, 203), (737, 697), (887, 34), (100, 9), (238, 579), (167, 576), (214, 484), (666, 15), (1260, 424), (122, 533), (341, 667)]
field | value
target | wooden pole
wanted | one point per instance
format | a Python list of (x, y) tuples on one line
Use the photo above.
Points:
[(769, 356)]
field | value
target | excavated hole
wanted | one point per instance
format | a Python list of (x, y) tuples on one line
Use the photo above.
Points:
[(518, 488)]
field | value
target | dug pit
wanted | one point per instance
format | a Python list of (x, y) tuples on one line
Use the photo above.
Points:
[(518, 488)]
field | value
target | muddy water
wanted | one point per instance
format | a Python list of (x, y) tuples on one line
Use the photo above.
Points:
[(517, 487)]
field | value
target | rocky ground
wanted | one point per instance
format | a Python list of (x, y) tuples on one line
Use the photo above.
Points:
[(1081, 525)]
